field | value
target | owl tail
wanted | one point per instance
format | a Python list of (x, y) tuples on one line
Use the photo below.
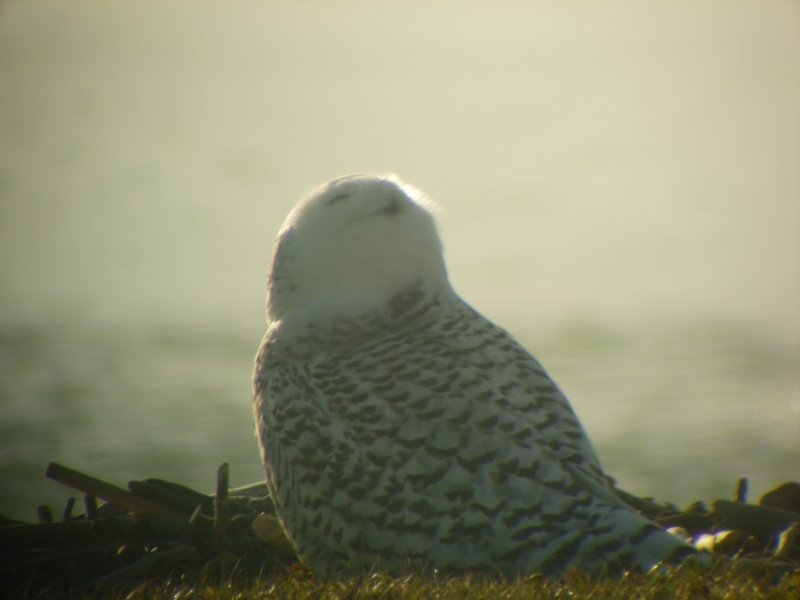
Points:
[(645, 545)]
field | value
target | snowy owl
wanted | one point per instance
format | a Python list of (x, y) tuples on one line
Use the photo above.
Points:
[(400, 429)]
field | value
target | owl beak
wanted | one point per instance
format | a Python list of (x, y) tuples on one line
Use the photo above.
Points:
[(392, 208)]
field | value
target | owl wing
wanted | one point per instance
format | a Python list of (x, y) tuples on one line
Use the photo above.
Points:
[(445, 443)]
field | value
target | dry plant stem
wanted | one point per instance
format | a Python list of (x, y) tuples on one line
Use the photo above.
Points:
[(45, 514), (741, 490), (68, 510), (141, 507), (91, 506), (221, 505)]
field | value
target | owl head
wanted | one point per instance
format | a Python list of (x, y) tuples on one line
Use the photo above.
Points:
[(351, 245)]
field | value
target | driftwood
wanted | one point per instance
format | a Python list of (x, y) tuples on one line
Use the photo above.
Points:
[(139, 506), (221, 505), (155, 528), (759, 521), (785, 496), (160, 529), (741, 490), (184, 506)]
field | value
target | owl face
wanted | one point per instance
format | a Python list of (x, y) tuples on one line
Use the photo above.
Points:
[(352, 244), (350, 199)]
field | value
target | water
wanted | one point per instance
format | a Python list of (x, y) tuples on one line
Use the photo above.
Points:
[(123, 405), (675, 412), (620, 185)]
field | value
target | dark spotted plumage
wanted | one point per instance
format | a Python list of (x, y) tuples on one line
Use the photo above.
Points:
[(414, 432)]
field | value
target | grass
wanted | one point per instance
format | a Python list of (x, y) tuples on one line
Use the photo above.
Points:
[(726, 579)]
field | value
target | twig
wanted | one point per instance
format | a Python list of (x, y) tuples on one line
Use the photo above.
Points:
[(221, 505), (142, 489), (44, 513), (186, 494), (139, 506), (741, 490), (68, 510), (91, 506), (759, 521)]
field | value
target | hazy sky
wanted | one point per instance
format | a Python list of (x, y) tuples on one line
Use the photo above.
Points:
[(602, 160)]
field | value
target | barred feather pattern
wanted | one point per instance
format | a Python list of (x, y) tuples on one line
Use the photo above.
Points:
[(422, 435)]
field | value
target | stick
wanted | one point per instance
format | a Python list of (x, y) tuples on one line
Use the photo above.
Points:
[(221, 505), (188, 497), (759, 521), (142, 489), (44, 513), (741, 490), (68, 510), (141, 507), (91, 506)]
